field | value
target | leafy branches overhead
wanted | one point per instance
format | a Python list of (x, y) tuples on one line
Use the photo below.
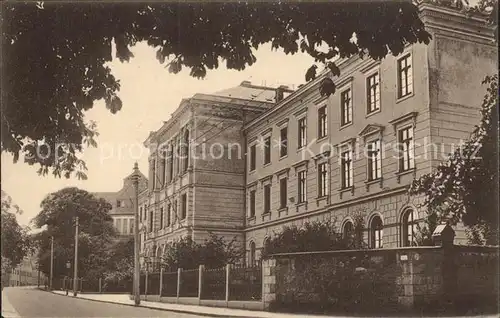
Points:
[(465, 187), (56, 55)]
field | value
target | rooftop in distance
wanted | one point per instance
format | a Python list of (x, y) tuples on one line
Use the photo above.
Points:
[(246, 90)]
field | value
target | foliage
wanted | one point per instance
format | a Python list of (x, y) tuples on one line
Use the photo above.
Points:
[(96, 232), (465, 187), (57, 54), (423, 236), (120, 261), (16, 243), (314, 236), (187, 254)]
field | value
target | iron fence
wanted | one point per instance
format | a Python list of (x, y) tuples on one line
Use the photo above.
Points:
[(169, 288), (90, 286), (142, 284), (189, 283), (245, 282), (214, 284), (153, 283), (117, 286)]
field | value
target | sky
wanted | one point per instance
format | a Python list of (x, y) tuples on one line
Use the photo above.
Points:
[(149, 94)]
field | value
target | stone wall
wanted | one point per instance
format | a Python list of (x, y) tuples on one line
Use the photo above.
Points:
[(418, 279)]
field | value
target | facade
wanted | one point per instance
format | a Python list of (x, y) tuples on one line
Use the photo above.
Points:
[(357, 151), (307, 157), (25, 274), (197, 168), (122, 203)]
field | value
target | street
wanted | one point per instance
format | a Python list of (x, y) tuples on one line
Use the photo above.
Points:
[(31, 302)]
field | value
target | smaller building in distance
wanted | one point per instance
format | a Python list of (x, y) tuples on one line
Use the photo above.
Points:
[(122, 202), (24, 274)]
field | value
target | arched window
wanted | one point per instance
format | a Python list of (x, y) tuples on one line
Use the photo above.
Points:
[(376, 232), (347, 230), (251, 255), (409, 227)]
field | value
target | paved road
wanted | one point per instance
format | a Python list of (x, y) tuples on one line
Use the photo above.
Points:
[(29, 302)]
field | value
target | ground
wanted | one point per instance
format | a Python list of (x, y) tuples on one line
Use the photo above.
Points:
[(30, 302)]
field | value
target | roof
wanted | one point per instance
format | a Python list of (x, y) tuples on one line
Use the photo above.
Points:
[(249, 92)]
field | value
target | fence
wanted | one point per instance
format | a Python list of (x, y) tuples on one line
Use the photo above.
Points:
[(189, 283), (214, 284), (169, 284), (245, 282)]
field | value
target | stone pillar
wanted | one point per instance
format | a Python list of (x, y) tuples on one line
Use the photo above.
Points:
[(268, 282), (179, 274), (228, 270), (200, 281)]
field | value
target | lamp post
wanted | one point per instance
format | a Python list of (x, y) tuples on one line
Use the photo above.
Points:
[(75, 274), (137, 297), (51, 261), (68, 267)]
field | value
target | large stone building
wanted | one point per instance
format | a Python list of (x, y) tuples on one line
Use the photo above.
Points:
[(122, 202), (309, 157)]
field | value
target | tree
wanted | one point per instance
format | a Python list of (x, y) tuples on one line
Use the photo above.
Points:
[(96, 232), (465, 187), (185, 253), (16, 243), (313, 236), (120, 265), (56, 56)]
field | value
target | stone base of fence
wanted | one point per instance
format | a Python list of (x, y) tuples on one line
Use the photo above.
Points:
[(235, 304)]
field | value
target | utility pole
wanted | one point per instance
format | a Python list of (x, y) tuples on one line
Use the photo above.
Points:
[(51, 261), (75, 275), (137, 297)]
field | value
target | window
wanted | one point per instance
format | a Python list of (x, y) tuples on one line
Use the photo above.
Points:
[(184, 206), (170, 162), (175, 211), (145, 213), (406, 145), (131, 223), (409, 227), (252, 157), (267, 150), (374, 160), (283, 193), (252, 204), (302, 133), (283, 142), (373, 93), (186, 151), (405, 78), (346, 104), (348, 230), (347, 169), (322, 180), (169, 210), (125, 226), (140, 213), (151, 220), (302, 187), (322, 122), (161, 217), (154, 173), (376, 231), (164, 166), (267, 198), (119, 226), (118, 203), (251, 255)]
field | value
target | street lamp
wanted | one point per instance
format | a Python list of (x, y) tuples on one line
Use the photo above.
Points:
[(137, 297), (68, 267)]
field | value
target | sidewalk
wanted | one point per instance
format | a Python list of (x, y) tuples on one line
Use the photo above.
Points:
[(124, 299)]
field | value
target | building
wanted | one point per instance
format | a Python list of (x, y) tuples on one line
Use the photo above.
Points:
[(310, 157), (122, 203), (197, 168), (333, 163), (25, 274)]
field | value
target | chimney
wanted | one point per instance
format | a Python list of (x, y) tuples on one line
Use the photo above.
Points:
[(280, 93)]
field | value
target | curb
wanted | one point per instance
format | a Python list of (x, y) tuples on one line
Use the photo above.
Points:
[(156, 308)]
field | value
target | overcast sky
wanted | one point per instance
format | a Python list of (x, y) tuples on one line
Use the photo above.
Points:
[(149, 94)]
